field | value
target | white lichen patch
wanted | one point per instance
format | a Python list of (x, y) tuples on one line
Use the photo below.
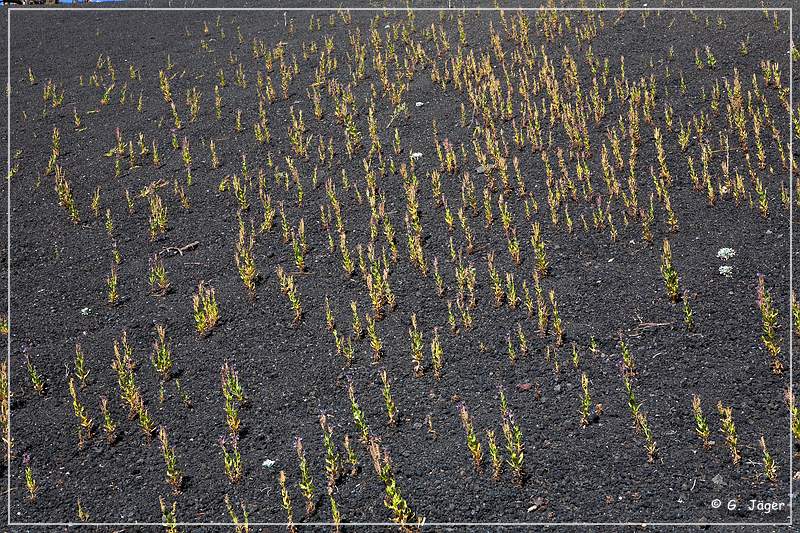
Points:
[(726, 270), (726, 253)]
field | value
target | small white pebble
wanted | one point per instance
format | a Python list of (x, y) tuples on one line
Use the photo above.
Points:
[(416, 155), (419, 104)]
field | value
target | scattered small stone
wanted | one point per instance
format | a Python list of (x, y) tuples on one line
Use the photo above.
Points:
[(717, 480), (268, 463), (538, 504), (85, 311), (419, 104), (726, 270), (524, 386), (416, 155)]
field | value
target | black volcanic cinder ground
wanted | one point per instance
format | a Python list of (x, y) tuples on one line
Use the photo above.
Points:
[(606, 277)]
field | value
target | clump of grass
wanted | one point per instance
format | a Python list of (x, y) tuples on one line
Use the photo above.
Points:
[(206, 311)]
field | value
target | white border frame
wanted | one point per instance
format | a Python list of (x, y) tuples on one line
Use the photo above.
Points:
[(80, 7)]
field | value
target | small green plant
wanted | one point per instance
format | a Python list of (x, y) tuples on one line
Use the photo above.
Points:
[(146, 423), (416, 346), (514, 446), (669, 273), (391, 408), (358, 415), (86, 425), (206, 311), (769, 325), (157, 276), (473, 443), (494, 454), (162, 358), (770, 468), (358, 328), (169, 516), (586, 400), (700, 422), (109, 426), (158, 217), (688, 316), (174, 476), (286, 502), (728, 429), (374, 341), (30, 482), (628, 363), (306, 483), (81, 372), (558, 330), (37, 380), (241, 525), (794, 413), (112, 282), (232, 459), (333, 460), (245, 262), (83, 514), (437, 355)]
